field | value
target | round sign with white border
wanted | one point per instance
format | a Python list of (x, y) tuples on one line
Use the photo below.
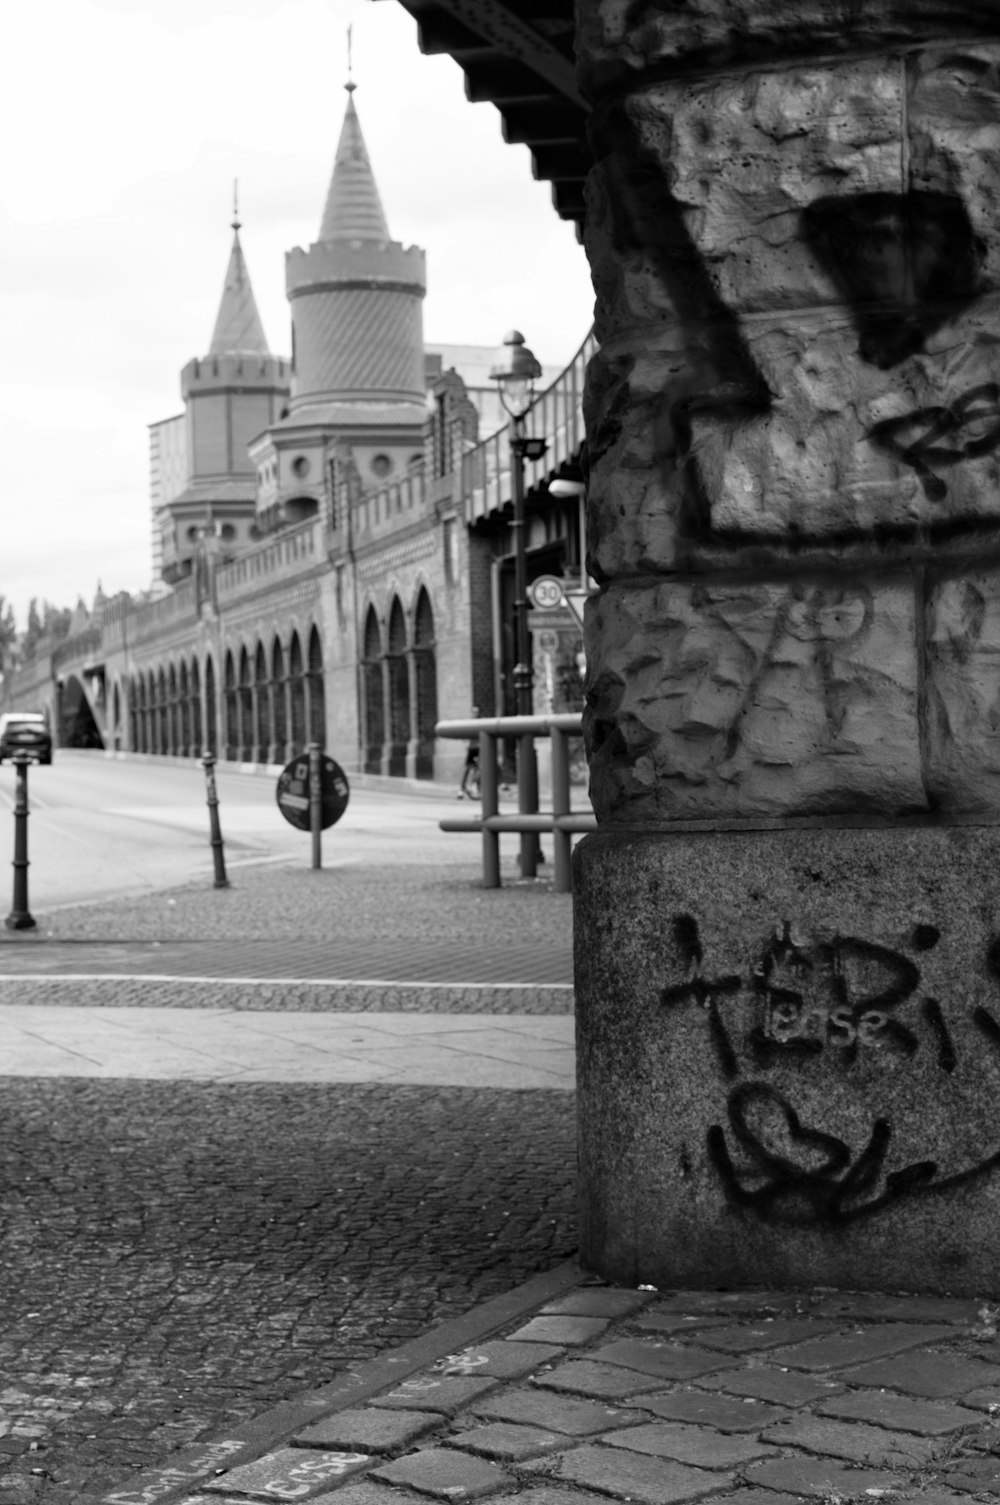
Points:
[(546, 592)]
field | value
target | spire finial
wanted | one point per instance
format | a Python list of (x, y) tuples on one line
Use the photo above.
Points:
[(350, 86), (236, 204)]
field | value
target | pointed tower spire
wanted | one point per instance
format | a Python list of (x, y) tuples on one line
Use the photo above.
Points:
[(238, 326), (353, 208)]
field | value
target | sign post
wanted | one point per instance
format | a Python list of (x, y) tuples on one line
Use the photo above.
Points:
[(20, 917), (315, 804), (312, 794), (215, 829)]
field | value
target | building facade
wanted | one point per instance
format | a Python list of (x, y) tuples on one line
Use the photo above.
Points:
[(331, 535)]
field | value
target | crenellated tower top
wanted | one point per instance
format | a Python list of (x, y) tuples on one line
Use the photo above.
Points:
[(355, 294)]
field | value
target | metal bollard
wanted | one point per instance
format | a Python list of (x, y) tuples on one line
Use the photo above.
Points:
[(315, 804), (20, 917), (221, 881)]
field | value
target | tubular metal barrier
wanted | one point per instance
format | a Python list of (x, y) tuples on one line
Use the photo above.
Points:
[(562, 821)]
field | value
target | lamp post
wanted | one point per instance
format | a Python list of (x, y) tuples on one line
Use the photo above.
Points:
[(515, 375)]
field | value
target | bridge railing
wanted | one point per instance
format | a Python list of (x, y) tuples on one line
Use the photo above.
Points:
[(562, 820), (557, 415)]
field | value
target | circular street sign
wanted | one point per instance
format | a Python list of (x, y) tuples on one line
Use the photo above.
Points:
[(546, 592), (292, 792)]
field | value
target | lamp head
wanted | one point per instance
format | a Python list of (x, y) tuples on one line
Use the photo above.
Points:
[(515, 374)]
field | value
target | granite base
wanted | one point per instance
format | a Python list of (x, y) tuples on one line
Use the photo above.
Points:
[(789, 1058)]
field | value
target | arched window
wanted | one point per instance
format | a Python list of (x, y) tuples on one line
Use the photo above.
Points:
[(245, 721), (172, 729), (372, 669), (162, 714), (211, 710), (399, 690), (194, 683), (316, 698), (425, 666), (183, 713), (231, 717), (297, 696), (262, 732), (278, 689)]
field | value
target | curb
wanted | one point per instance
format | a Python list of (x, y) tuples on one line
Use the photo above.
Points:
[(187, 1470)]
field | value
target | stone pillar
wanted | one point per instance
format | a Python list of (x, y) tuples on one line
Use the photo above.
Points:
[(788, 924)]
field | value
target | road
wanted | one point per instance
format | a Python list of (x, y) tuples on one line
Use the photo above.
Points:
[(101, 827)]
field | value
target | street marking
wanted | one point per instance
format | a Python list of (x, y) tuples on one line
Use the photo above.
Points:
[(310, 982)]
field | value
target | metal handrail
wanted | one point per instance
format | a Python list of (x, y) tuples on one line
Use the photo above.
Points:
[(562, 821)]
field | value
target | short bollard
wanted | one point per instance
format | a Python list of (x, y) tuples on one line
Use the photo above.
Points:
[(221, 881), (316, 804), (20, 917)]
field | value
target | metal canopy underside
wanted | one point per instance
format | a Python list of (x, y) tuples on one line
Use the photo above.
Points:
[(518, 54)]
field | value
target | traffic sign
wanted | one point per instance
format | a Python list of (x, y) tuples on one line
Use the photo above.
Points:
[(576, 600), (292, 792), (546, 592)]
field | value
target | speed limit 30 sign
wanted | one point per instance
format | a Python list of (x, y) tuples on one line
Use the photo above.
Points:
[(546, 592)]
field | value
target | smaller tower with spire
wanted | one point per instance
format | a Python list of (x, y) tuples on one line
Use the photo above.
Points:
[(230, 396)]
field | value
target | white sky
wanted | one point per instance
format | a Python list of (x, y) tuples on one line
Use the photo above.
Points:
[(126, 122)]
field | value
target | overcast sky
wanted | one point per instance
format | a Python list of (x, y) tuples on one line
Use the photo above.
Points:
[(126, 122)]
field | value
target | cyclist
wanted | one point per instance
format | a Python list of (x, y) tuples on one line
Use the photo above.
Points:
[(470, 774)]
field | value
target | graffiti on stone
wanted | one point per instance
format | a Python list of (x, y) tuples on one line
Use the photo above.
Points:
[(873, 412), (831, 1004)]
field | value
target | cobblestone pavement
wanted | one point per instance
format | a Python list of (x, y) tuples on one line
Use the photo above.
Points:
[(178, 1257), (377, 906), (175, 1258), (748, 1399)]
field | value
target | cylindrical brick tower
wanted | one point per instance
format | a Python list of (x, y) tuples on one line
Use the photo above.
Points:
[(357, 328)]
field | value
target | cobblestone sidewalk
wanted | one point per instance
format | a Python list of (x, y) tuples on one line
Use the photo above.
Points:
[(751, 1399)]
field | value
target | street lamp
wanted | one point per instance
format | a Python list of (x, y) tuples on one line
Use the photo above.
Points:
[(515, 375)]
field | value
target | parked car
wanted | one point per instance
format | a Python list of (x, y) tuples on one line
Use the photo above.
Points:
[(25, 731)]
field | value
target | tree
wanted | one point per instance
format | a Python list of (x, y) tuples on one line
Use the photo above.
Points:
[(8, 635)]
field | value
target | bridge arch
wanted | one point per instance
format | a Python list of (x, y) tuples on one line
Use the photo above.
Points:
[(78, 726)]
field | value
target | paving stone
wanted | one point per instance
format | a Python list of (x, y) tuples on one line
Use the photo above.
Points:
[(987, 1398), (546, 1494), (854, 1442), (289, 1474), (507, 1442), (367, 1492), (772, 1332), (602, 1381), (502, 1358), (931, 1497), (428, 1392), (759, 1497), (807, 1475), (668, 1361), (875, 1307), (555, 1413), (735, 1303), (630, 1476), (678, 1322), (446, 1473), (724, 1412), (698, 1445), (837, 1350), (975, 1476), (781, 1386), (569, 1331), (368, 1429), (597, 1301), (933, 1375), (901, 1412)]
